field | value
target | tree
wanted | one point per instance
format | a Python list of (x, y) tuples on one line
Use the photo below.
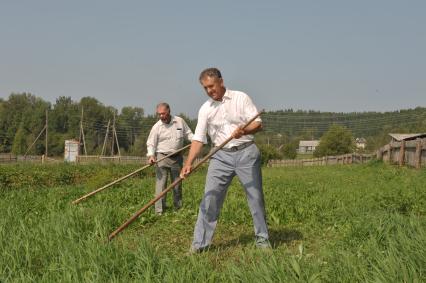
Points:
[(337, 140), (96, 116), (129, 122), (19, 145), (268, 152), (289, 150)]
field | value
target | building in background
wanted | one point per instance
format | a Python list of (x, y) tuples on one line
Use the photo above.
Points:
[(360, 143), (71, 150), (406, 137), (308, 146)]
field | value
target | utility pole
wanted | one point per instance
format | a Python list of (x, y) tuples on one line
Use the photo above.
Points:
[(113, 132), (28, 149), (106, 137), (114, 139), (82, 135), (47, 120)]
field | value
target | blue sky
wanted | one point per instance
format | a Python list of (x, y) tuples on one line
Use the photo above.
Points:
[(323, 55)]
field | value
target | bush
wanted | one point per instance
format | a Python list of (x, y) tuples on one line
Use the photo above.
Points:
[(337, 140), (269, 152), (289, 151)]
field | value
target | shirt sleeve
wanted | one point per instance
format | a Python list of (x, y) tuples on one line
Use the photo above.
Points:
[(151, 143), (201, 129), (250, 109), (187, 130)]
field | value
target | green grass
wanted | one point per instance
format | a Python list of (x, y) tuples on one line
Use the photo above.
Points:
[(358, 223)]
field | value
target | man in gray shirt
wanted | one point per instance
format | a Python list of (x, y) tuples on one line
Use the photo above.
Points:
[(166, 136)]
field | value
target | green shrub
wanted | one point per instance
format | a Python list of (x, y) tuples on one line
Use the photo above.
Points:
[(289, 150), (269, 152), (337, 140)]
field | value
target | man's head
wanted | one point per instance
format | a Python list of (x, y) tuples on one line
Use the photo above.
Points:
[(212, 82), (163, 111)]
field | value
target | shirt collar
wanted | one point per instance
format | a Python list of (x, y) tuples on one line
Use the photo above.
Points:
[(172, 120), (226, 96)]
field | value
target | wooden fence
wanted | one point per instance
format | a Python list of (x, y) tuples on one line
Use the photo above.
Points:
[(411, 153), (85, 159), (11, 158), (326, 160), (7, 158)]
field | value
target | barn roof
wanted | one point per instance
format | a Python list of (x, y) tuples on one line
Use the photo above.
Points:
[(400, 137)]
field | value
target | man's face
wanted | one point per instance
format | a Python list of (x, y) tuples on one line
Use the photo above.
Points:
[(214, 87), (164, 114)]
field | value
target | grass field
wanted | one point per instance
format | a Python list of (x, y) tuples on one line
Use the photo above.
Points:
[(359, 223)]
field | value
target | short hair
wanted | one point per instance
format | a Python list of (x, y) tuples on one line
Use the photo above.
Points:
[(163, 104), (210, 72)]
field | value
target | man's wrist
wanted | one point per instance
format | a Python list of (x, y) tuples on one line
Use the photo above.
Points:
[(188, 162)]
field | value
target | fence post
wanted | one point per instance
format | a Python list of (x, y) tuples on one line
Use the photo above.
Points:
[(402, 153), (418, 154), (379, 154)]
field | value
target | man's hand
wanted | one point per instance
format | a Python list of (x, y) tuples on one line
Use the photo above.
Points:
[(238, 133), (152, 160), (195, 150), (186, 169)]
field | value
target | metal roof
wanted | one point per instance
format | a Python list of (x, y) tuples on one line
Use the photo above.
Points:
[(400, 137)]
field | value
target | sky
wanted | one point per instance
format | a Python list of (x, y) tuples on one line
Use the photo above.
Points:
[(339, 56)]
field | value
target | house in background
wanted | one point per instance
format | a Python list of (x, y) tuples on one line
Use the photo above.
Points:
[(308, 146), (406, 137), (360, 143)]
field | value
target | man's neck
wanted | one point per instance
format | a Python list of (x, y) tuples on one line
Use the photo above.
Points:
[(168, 121)]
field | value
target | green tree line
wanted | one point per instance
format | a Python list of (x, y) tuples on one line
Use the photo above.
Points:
[(22, 118), (290, 126), (23, 115)]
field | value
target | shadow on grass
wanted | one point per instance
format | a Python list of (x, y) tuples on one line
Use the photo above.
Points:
[(277, 237)]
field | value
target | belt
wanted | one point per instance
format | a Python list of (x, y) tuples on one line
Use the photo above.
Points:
[(167, 153), (238, 147)]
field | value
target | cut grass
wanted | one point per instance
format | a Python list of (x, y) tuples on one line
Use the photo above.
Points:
[(338, 223)]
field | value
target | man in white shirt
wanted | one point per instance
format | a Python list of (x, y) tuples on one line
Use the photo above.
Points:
[(166, 136), (222, 116)]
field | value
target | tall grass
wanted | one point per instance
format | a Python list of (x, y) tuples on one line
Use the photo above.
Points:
[(334, 224)]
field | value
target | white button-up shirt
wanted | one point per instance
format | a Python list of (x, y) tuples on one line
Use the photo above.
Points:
[(165, 138), (220, 118)]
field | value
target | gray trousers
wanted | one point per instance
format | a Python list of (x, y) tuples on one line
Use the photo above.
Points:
[(223, 167), (170, 166)]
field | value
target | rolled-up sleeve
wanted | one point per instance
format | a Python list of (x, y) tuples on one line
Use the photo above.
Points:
[(187, 130), (201, 129), (250, 109), (151, 143)]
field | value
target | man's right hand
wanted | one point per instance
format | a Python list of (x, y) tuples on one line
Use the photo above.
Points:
[(186, 169), (152, 160)]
